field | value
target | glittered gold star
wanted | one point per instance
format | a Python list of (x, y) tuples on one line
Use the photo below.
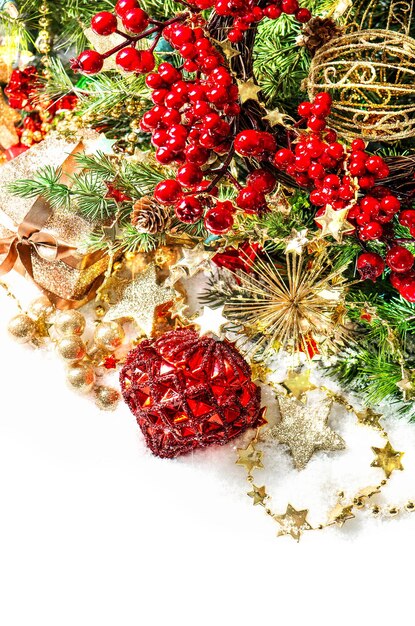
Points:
[(292, 522), (334, 223), (387, 459), (368, 417), (140, 298), (340, 514), (227, 49), (248, 90), (304, 428), (177, 309), (249, 458), (277, 118), (258, 495), (193, 260), (259, 371), (296, 241), (211, 321), (299, 383)]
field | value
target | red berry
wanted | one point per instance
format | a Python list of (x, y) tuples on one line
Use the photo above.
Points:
[(371, 231), (369, 203), (346, 192), (196, 154), (399, 259), (251, 200), (407, 218), (247, 142), (302, 163), (323, 97), (146, 63), (217, 221), (128, 59), (235, 36), (390, 204), (407, 290), (316, 123), (283, 158), (316, 171), (374, 164), (88, 62), (366, 182), (167, 191), (370, 266), (320, 109), (357, 168), (135, 20), (263, 180), (181, 34), (272, 11), (335, 151), (168, 73), (289, 6), (189, 175), (330, 135), (303, 15), (314, 147), (358, 144), (123, 6), (304, 109), (189, 209), (104, 23), (333, 181)]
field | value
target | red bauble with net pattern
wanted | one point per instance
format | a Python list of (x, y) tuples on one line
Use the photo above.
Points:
[(189, 392)]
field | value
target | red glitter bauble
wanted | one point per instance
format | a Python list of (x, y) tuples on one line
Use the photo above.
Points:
[(189, 392)]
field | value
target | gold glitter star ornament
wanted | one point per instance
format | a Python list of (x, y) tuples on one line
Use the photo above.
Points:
[(334, 223), (305, 429), (139, 300), (293, 522), (387, 459), (248, 90), (249, 458)]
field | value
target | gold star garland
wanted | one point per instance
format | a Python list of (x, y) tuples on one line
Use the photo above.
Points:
[(294, 522)]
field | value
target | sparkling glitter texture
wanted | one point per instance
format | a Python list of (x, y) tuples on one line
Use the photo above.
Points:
[(304, 428), (65, 224), (189, 392)]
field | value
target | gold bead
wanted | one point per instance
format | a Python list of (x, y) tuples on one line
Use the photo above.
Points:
[(71, 348), (37, 135), (44, 22), (135, 124), (117, 265), (99, 311), (410, 506), (393, 510), (41, 308), (22, 328), (129, 150), (81, 376), (109, 335), (70, 323), (132, 138), (375, 510), (358, 503), (106, 398)]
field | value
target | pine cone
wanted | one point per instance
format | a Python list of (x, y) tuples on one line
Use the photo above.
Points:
[(149, 217), (317, 32)]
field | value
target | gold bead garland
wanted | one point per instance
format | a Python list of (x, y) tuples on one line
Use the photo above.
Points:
[(294, 522)]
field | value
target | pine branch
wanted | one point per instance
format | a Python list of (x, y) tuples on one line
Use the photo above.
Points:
[(131, 240)]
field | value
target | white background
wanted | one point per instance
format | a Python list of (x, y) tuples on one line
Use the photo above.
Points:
[(94, 531)]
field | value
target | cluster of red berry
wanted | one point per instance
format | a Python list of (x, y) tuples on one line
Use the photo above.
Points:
[(246, 13), (134, 22), (350, 180)]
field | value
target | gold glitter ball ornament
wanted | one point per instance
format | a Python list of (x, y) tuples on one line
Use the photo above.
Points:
[(70, 323), (106, 398), (81, 376), (71, 348), (109, 335), (370, 76), (22, 328)]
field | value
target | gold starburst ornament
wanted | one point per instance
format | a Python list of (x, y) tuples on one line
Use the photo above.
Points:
[(291, 306)]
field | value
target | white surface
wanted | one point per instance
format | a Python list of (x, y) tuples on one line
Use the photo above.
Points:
[(94, 531)]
